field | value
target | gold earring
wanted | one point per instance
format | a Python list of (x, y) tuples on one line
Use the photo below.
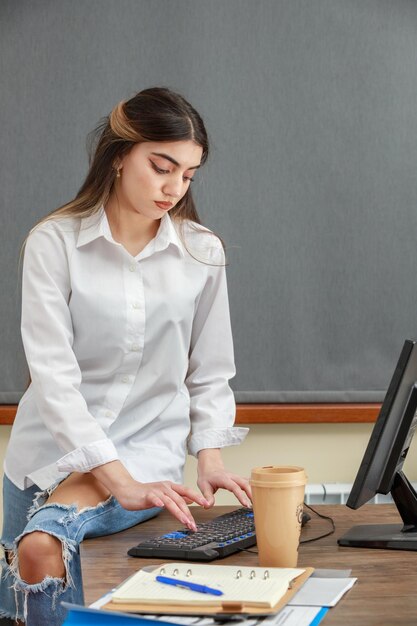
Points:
[(118, 172)]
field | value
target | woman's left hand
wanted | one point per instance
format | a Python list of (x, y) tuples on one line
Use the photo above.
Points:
[(212, 476)]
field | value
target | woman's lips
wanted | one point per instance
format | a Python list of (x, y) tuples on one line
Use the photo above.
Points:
[(164, 205)]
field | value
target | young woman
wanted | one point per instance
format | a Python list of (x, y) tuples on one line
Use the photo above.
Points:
[(126, 330)]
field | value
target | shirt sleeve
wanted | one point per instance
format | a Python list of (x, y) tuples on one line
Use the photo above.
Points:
[(211, 366), (47, 334)]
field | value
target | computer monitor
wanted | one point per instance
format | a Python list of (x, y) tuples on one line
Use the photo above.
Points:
[(381, 467)]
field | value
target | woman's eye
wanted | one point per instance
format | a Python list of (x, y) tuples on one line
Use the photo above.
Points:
[(159, 170)]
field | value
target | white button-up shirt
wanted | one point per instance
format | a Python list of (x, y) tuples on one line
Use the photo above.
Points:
[(129, 357)]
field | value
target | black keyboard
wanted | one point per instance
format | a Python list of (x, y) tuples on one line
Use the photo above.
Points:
[(215, 539)]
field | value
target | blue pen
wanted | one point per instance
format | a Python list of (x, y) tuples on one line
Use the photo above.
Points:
[(188, 585)]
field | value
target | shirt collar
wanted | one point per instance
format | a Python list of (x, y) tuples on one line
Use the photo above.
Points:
[(168, 234), (97, 225), (93, 227)]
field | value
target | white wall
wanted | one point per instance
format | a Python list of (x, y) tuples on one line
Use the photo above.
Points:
[(329, 452)]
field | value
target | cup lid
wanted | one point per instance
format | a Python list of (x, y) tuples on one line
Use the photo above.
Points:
[(280, 475)]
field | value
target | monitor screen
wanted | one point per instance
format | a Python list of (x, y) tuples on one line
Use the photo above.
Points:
[(381, 468)]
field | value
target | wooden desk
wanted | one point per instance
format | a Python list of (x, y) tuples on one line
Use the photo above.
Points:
[(385, 593)]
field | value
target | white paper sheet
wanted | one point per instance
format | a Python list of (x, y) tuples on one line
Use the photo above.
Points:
[(322, 591)]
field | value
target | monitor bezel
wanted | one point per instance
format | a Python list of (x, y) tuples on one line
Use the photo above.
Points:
[(381, 468), (376, 472)]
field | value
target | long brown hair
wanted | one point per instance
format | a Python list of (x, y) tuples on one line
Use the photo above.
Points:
[(155, 114)]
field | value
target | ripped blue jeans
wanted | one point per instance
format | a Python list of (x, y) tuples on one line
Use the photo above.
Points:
[(25, 511)]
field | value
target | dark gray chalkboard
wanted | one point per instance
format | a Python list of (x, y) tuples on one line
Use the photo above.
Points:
[(312, 182)]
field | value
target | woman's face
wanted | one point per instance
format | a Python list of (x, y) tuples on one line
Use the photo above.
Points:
[(154, 176)]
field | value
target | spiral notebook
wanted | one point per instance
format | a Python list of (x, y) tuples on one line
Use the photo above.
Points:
[(254, 590)]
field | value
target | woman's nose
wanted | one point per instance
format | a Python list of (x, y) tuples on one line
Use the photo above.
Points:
[(173, 187)]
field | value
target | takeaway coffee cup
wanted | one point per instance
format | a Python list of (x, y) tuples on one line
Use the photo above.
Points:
[(278, 496)]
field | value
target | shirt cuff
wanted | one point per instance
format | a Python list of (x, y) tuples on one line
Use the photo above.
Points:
[(84, 458), (216, 438)]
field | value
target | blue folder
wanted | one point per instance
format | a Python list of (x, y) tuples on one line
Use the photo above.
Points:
[(83, 616)]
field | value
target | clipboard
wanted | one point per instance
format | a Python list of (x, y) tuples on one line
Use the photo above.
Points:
[(228, 608)]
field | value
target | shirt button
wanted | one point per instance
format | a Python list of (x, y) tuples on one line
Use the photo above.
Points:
[(132, 268), (125, 379), (135, 305), (109, 414), (135, 347)]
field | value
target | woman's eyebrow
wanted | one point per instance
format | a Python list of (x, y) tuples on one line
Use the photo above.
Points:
[(169, 158)]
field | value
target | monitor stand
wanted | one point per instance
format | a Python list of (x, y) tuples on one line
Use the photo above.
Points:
[(389, 536)]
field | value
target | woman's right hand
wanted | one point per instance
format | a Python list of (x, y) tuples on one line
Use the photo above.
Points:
[(171, 496), (133, 495)]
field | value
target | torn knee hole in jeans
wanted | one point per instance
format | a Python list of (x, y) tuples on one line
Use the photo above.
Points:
[(50, 584), (70, 513), (10, 576), (53, 586)]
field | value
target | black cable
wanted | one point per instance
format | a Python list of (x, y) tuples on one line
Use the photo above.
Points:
[(330, 519)]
